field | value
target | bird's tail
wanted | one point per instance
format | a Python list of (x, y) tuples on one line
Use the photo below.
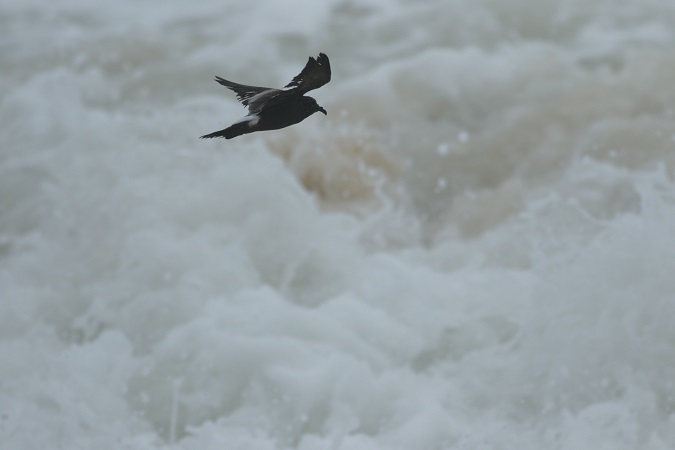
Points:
[(230, 132)]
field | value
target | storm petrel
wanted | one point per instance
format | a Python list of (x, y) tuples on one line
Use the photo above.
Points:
[(272, 109)]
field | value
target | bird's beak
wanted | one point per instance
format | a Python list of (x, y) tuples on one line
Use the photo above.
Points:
[(323, 111)]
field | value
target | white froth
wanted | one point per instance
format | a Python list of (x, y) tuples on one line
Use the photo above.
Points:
[(474, 250)]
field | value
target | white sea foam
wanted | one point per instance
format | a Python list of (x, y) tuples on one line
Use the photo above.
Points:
[(474, 252)]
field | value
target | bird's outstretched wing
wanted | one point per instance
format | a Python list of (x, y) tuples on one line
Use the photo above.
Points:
[(244, 93), (315, 74)]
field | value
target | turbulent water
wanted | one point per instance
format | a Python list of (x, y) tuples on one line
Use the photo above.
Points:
[(475, 249)]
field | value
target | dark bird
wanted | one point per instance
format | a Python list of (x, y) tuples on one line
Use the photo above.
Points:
[(272, 109)]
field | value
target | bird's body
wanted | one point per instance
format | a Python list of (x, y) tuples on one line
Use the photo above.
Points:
[(272, 109)]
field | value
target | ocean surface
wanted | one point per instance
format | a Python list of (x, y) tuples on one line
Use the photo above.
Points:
[(475, 249)]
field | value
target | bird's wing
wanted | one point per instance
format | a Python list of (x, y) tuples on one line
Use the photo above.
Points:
[(244, 93), (315, 74), (266, 100)]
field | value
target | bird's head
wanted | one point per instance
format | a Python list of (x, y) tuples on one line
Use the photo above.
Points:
[(310, 106)]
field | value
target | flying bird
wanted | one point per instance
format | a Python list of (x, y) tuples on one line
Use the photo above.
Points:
[(272, 109)]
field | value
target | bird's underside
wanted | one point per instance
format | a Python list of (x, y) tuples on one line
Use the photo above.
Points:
[(271, 109)]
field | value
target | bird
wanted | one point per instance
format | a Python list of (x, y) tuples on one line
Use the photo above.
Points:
[(272, 109)]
